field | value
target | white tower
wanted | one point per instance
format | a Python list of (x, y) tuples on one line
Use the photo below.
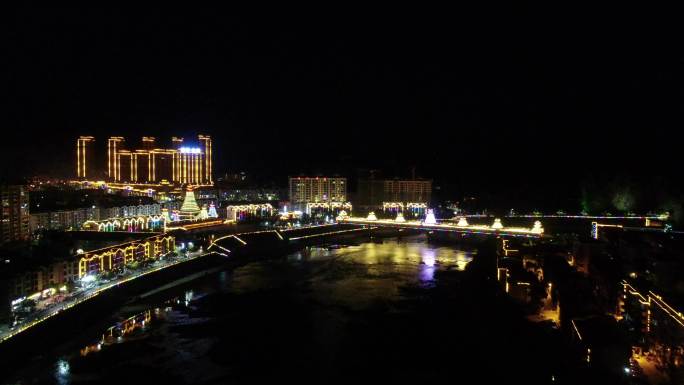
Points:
[(430, 218)]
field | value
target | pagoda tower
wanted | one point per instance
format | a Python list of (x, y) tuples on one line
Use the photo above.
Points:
[(204, 214), (189, 210), (430, 218), (212, 211)]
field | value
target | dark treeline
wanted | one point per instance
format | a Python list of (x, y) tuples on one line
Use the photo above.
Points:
[(592, 194)]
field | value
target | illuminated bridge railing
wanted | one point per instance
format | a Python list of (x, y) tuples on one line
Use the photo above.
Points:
[(652, 300), (535, 232)]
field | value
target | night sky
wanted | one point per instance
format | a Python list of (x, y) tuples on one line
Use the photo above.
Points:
[(480, 99)]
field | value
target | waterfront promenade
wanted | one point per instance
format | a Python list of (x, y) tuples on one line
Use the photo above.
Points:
[(7, 332)]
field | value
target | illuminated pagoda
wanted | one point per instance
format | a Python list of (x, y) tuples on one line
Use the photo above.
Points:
[(212, 211), (462, 222), (400, 218), (371, 216), (430, 218), (204, 213), (342, 215), (497, 224), (537, 227), (189, 210)]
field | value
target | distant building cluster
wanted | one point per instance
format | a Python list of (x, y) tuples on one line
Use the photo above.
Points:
[(305, 190), (147, 163), (32, 277), (14, 213), (39, 278), (374, 194), (75, 218), (248, 195), (244, 212)]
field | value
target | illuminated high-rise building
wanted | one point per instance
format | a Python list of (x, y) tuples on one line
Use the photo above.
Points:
[(148, 143), (14, 213), (85, 155), (113, 145), (205, 146), (177, 142), (372, 193), (162, 165), (150, 164), (191, 163), (305, 190)]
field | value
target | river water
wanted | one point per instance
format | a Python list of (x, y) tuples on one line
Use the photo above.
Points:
[(392, 311)]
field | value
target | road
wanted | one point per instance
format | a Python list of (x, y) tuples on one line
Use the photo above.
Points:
[(39, 316)]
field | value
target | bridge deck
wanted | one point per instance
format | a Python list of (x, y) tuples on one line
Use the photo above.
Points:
[(470, 229)]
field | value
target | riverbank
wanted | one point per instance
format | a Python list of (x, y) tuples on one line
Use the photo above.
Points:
[(60, 325), (375, 309)]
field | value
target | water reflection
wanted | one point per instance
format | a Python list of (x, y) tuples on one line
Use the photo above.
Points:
[(462, 259), (136, 323), (336, 282), (428, 260), (62, 372), (188, 297), (357, 276)]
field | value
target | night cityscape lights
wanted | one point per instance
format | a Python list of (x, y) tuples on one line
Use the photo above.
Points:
[(147, 166), (497, 228), (185, 218), (365, 216), (430, 218)]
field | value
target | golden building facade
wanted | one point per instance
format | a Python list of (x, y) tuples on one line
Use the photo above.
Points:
[(148, 162), (114, 258)]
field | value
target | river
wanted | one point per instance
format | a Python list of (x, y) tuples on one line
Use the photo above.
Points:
[(401, 310)]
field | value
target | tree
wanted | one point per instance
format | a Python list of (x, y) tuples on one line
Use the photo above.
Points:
[(28, 305), (623, 200)]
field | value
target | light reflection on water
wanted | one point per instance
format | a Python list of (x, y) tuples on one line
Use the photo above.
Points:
[(429, 258), (121, 332), (363, 274), (462, 259), (134, 325), (352, 276), (62, 372), (412, 254)]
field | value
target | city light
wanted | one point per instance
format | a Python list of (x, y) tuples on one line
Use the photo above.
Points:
[(469, 229), (537, 228), (190, 150), (400, 218), (143, 169), (88, 278), (316, 252), (94, 293), (62, 368), (342, 215), (430, 218)]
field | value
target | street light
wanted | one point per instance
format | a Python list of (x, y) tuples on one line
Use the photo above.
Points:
[(88, 278)]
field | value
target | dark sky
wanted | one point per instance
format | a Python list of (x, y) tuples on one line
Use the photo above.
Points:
[(521, 95)]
